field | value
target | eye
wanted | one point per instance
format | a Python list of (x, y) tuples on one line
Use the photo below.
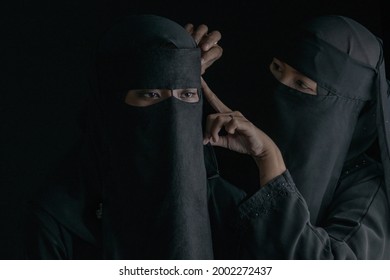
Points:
[(302, 84), (306, 88), (188, 94), (150, 95)]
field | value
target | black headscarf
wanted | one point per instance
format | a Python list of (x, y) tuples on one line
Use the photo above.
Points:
[(155, 192), (319, 134)]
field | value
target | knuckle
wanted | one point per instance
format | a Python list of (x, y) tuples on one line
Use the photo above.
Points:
[(238, 113), (219, 118), (234, 122), (210, 117)]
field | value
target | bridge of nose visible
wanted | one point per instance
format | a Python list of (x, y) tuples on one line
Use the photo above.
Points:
[(147, 97)]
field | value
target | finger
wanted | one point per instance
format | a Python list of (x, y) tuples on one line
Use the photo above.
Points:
[(232, 122), (199, 32), (232, 125), (237, 123), (243, 127), (223, 142), (213, 99), (210, 40), (216, 122), (211, 56), (209, 121), (189, 27)]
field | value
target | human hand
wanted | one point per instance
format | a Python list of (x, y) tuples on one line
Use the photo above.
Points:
[(242, 137), (208, 44)]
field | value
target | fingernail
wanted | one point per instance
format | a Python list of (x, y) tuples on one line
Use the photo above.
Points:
[(202, 61)]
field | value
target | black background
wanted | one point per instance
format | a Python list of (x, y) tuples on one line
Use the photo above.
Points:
[(45, 55)]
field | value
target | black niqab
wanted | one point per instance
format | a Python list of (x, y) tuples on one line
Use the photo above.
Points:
[(319, 134), (155, 187)]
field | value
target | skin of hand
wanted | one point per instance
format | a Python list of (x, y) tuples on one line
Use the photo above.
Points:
[(208, 44), (242, 137)]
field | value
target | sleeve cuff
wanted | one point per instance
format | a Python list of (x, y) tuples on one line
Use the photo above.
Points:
[(266, 199)]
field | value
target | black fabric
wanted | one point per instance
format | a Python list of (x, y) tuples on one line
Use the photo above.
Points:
[(318, 134), (156, 204), (147, 51), (314, 133), (75, 181), (155, 194), (146, 163), (50, 239), (51, 235), (275, 222), (156, 68)]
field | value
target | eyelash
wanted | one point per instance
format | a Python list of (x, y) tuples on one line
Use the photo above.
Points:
[(152, 95), (192, 94), (156, 95), (302, 85)]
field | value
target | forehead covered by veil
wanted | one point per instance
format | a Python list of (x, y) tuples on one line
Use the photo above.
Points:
[(319, 134), (155, 183)]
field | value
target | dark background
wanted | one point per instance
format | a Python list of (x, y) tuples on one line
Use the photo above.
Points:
[(45, 57)]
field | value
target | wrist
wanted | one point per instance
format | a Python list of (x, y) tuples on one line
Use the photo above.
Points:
[(270, 163)]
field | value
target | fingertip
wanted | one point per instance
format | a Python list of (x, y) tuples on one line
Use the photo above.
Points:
[(189, 27), (204, 28)]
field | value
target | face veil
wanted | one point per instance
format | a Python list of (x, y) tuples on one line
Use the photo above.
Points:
[(155, 189), (319, 135)]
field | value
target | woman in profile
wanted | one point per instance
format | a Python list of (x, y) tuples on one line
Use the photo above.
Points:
[(330, 106)]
